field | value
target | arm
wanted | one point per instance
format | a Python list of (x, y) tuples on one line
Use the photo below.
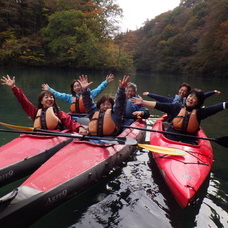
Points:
[(86, 95), (158, 97), (74, 126), (27, 106), (140, 101), (102, 86), (210, 93), (211, 110), (61, 96), (88, 103), (120, 101)]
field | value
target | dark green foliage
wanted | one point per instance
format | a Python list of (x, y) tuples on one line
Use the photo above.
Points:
[(190, 39), (63, 33)]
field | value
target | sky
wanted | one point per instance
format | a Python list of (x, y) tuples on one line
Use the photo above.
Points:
[(136, 12)]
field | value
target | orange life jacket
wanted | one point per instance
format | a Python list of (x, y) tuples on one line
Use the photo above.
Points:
[(102, 123), (46, 119), (186, 121), (77, 105)]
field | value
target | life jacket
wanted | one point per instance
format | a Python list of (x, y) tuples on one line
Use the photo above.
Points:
[(46, 119), (186, 121), (102, 123), (77, 105)]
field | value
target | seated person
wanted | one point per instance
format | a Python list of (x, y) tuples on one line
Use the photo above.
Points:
[(75, 98), (106, 115), (132, 111), (185, 120)]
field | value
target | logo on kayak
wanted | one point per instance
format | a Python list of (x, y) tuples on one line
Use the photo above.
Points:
[(6, 175), (56, 197), (186, 176)]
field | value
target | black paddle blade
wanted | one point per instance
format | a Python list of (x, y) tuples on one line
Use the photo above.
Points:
[(120, 140), (223, 141)]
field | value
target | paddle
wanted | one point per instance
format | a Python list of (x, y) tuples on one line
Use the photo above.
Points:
[(111, 140), (223, 141), (115, 140), (163, 150)]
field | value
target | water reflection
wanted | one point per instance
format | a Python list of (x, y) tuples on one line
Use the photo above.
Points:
[(134, 195)]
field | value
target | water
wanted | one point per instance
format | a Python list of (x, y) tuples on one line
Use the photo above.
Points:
[(134, 195)]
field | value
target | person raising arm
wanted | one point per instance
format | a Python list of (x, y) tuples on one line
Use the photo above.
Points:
[(185, 119), (47, 114)]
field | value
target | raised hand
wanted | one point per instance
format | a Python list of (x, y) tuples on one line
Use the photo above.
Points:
[(137, 100), (124, 82), (8, 81), (45, 86), (145, 93), (217, 92), (83, 80), (110, 78)]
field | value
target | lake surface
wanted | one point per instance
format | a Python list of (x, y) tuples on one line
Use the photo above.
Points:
[(134, 195)]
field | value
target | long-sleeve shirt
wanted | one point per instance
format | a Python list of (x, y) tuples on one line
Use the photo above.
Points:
[(130, 108), (202, 113), (118, 108), (69, 97), (176, 98), (31, 111)]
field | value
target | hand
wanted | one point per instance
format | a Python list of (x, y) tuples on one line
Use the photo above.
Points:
[(124, 82), (145, 93), (45, 86), (8, 81), (110, 78), (138, 113), (217, 92), (83, 131), (137, 100), (83, 80)]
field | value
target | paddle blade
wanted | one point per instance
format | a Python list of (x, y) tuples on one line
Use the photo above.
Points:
[(223, 141), (163, 150), (17, 127)]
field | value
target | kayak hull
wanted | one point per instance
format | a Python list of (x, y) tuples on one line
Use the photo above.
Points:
[(23, 155), (184, 175), (69, 172)]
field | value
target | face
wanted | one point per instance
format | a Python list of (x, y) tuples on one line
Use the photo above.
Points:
[(183, 91), (77, 87), (130, 92), (191, 101), (47, 101), (105, 105)]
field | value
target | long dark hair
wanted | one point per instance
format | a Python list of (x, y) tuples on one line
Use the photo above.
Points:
[(105, 98), (44, 93), (72, 86), (200, 95)]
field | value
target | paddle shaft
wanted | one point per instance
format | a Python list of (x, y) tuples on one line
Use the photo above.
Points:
[(172, 133), (120, 140)]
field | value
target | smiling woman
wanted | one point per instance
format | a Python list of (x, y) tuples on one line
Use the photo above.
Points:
[(185, 119), (47, 115)]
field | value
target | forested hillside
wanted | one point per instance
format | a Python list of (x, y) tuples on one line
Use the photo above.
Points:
[(63, 33), (191, 39)]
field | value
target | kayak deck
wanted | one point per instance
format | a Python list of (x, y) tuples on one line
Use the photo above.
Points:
[(184, 175), (70, 171), (25, 154)]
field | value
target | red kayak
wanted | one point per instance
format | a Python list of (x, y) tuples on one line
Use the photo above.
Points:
[(184, 175), (25, 154), (70, 171)]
